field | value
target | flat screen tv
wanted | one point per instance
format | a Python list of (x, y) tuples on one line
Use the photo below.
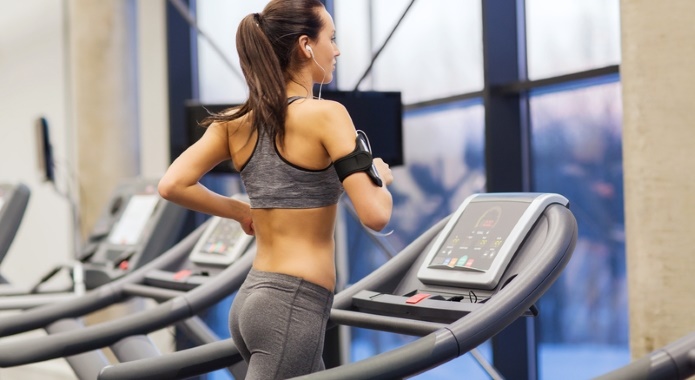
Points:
[(195, 113), (380, 115)]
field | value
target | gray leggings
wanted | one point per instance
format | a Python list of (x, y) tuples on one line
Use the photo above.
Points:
[(278, 322)]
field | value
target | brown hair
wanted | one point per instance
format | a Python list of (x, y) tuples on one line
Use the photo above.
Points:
[(267, 44)]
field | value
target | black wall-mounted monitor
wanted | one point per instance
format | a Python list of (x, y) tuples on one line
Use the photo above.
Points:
[(195, 113), (378, 114)]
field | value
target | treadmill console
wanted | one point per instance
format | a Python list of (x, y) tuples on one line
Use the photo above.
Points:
[(469, 260), (476, 245), (132, 222), (136, 226), (221, 244)]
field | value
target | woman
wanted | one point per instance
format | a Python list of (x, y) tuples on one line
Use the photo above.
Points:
[(284, 143)]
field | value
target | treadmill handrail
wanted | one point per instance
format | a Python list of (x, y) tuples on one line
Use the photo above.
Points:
[(98, 298), (37, 349), (17, 209), (153, 292), (177, 365), (676, 360)]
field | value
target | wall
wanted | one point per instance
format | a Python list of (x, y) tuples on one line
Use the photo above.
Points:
[(658, 137), (34, 82), (49, 67)]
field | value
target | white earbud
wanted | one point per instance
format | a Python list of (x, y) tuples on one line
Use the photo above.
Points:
[(311, 51)]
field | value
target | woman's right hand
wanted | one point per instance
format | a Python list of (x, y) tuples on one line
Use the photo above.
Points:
[(247, 226), (384, 171), (246, 220)]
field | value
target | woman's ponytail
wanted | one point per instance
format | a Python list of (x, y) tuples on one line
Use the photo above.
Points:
[(264, 77), (267, 47)]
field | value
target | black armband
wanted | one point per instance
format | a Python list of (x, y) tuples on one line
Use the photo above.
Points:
[(360, 160)]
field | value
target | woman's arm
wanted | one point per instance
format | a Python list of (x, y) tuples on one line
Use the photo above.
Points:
[(372, 203), (180, 184)]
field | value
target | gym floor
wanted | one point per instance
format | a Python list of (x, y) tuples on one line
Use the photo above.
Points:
[(57, 369)]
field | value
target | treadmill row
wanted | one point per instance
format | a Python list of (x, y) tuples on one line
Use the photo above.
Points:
[(457, 285)]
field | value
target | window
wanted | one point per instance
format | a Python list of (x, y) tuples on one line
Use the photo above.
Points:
[(565, 36), (435, 52), (577, 152)]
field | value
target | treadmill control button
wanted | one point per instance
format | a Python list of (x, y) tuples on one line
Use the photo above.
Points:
[(417, 298), (182, 274)]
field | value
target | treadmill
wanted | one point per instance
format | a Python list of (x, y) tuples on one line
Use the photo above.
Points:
[(674, 361), (456, 286), (135, 227), (13, 203), (197, 273)]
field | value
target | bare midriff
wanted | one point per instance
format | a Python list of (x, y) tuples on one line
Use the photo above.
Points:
[(297, 242)]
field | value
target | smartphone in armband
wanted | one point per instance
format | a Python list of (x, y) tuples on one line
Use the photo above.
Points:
[(363, 144)]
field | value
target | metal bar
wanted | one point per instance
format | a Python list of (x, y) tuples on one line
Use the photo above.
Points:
[(523, 86), (378, 52), (487, 367), (186, 14)]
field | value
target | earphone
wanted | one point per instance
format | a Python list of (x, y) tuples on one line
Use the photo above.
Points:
[(311, 51)]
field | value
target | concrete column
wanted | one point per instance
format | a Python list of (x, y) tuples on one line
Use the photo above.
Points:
[(103, 61), (659, 141), (153, 87)]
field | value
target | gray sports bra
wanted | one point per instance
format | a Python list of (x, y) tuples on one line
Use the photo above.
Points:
[(273, 182)]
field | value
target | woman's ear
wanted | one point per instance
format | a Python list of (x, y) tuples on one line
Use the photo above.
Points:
[(304, 46)]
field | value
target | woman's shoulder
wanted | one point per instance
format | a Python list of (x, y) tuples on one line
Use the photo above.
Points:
[(323, 111), (231, 125)]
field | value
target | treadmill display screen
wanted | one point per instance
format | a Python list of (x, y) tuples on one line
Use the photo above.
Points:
[(475, 241), (222, 243), (134, 219), (223, 239)]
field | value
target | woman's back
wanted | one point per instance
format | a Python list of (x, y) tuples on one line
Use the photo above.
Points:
[(290, 240)]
